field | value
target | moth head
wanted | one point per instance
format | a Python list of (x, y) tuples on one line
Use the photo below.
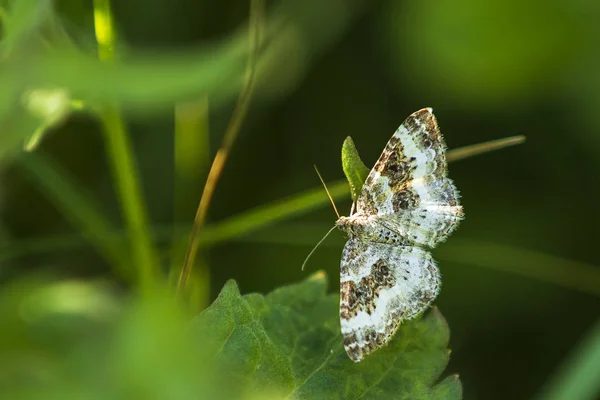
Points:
[(345, 224)]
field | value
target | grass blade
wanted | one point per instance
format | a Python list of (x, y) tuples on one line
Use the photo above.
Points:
[(529, 263), (120, 156), (79, 209), (192, 158), (231, 133), (271, 213), (481, 148)]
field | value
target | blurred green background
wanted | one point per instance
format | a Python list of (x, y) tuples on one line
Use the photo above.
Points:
[(521, 276)]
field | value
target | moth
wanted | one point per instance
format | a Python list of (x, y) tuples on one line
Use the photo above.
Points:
[(406, 206)]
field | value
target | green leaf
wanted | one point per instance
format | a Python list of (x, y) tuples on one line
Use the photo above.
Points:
[(355, 170), (231, 330), (288, 343)]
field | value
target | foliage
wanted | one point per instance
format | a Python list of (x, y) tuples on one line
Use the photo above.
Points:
[(65, 339), (355, 170), (288, 343), (76, 340)]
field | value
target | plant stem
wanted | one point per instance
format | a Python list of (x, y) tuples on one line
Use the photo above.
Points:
[(231, 133), (120, 155), (191, 161), (485, 147), (77, 207)]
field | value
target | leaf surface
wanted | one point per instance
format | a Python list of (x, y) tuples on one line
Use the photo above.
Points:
[(288, 344), (355, 170)]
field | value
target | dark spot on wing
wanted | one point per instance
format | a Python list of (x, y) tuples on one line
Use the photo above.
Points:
[(356, 297), (405, 200)]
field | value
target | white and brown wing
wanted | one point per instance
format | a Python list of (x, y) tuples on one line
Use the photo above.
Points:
[(408, 187), (406, 205), (381, 286)]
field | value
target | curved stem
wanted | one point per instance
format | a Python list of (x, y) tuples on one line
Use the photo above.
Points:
[(231, 133)]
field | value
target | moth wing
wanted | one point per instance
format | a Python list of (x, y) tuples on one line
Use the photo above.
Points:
[(381, 286)]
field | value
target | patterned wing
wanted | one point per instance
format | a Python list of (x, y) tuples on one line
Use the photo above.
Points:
[(382, 285), (432, 220), (408, 187)]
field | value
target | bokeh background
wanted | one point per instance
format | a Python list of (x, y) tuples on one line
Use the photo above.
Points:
[(521, 282)]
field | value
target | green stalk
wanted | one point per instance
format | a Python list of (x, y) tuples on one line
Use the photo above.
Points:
[(231, 133), (120, 155), (191, 161), (77, 207)]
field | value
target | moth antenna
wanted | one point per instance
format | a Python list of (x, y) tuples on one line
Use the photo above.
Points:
[(328, 194), (317, 245)]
